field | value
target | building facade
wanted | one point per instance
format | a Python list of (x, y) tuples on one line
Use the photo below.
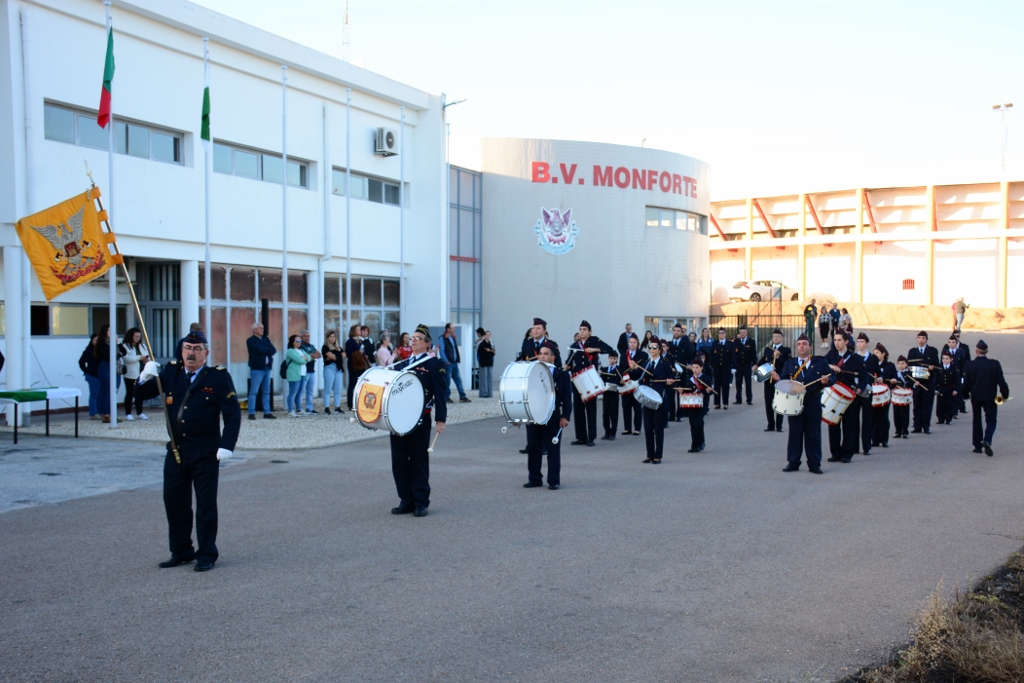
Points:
[(357, 217)]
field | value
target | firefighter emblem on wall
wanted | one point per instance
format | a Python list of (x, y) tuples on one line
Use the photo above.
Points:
[(556, 231)]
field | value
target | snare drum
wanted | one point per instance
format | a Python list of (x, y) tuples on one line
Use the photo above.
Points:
[(788, 404), (880, 395), (691, 401), (390, 400), (588, 382), (648, 397), (526, 392), (919, 372), (763, 372), (902, 396), (834, 402), (608, 386), (629, 387)]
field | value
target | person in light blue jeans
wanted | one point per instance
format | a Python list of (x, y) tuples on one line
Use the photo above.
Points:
[(296, 373), (333, 356), (261, 365), (309, 380)]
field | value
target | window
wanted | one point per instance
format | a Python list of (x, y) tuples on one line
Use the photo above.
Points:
[(233, 160), (375, 303), (655, 217), (75, 127), (364, 187), (908, 284)]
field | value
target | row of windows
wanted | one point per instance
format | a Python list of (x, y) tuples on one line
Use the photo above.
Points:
[(78, 128), (364, 187), (69, 320), (249, 163), (678, 220)]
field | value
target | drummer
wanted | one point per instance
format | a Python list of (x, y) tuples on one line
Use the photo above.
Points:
[(848, 367), (805, 428), (880, 414), (587, 351), (537, 336), (629, 366), (699, 382), (901, 414), (776, 354), (545, 435), (610, 399), (864, 399), (410, 463), (657, 374)]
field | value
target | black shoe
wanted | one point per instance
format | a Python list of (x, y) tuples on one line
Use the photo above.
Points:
[(648, 460), (252, 416), (719, 407), (203, 566), (833, 459), (988, 448), (656, 461), (867, 452), (779, 431), (327, 411), (750, 403), (815, 470), (770, 429), (977, 450), (611, 438), (791, 468), (725, 407), (693, 450), (927, 431), (578, 442), (737, 403), (269, 416), (915, 431), (702, 446), (450, 401), (606, 438), (846, 460), (524, 450), (553, 487), (679, 419), (590, 443), (420, 512), (626, 433), (461, 400), (177, 559), (312, 412), (636, 433), (532, 484), (401, 510), (884, 445)]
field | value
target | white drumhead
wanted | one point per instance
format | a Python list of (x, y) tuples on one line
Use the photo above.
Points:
[(403, 403), (540, 392)]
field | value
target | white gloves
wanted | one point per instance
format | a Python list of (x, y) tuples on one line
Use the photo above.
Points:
[(151, 370), (224, 454)]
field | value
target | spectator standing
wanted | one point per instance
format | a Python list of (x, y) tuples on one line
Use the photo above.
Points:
[(448, 350), (384, 354), (334, 376), (297, 360), (261, 365), (89, 362), (367, 342), (102, 350), (135, 356), (485, 358), (959, 310), (705, 344), (810, 316), (309, 381), (404, 349), (354, 356), (835, 315), (846, 323), (824, 325)]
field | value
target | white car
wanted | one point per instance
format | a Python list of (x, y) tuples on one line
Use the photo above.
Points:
[(760, 290)]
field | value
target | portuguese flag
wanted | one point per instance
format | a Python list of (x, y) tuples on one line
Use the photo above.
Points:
[(103, 118)]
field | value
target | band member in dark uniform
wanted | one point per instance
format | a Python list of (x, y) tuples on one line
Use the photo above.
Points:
[(981, 380), (631, 413), (679, 351), (947, 390), (610, 399), (410, 462), (901, 414), (776, 354), (657, 374), (537, 335), (805, 428), (722, 359), (880, 415), (864, 393), (848, 367), (697, 381), (197, 397), (746, 352), (961, 356), (924, 390), (543, 435), (585, 352)]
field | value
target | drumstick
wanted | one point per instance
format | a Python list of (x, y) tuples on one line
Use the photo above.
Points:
[(431, 449), (823, 377), (554, 440)]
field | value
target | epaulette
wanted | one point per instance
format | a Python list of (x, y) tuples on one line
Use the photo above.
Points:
[(220, 367), (173, 362)]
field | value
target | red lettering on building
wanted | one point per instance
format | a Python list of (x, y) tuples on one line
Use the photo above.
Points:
[(541, 172), (567, 176), (665, 181), (639, 178), (463, 259), (602, 176), (622, 177), (677, 183)]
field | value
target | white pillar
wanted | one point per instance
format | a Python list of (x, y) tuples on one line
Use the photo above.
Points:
[(315, 321), (190, 296), (13, 321)]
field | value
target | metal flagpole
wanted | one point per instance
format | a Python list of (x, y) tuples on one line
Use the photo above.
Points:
[(284, 209), (348, 208), (207, 166), (401, 220), (112, 274)]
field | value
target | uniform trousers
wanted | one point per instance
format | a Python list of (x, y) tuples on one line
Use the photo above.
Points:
[(201, 473), (696, 416), (723, 380), (631, 413), (867, 422), (923, 400), (539, 437), (805, 433), (842, 438), (990, 409), (945, 405), (774, 419), (410, 464), (654, 431), (584, 417), (880, 421), (610, 412), (743, 376), (672, 407), (901, 419)]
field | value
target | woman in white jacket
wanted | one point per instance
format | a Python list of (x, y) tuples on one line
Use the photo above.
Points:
[(135, 357)]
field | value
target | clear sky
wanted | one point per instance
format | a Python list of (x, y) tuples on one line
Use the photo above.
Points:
[(779, 96)]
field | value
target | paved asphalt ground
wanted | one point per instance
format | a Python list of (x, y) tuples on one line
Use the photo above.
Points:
[(710, 567)]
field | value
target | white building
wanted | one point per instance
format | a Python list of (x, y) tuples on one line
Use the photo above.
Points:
[(51, 65)]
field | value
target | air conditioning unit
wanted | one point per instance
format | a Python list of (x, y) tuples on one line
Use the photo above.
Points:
[(385, 142)]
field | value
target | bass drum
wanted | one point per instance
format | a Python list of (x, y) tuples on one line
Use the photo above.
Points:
[(648, 397), (390, 400), (526, 392)]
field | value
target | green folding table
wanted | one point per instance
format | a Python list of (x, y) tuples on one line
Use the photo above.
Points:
[(39, 394)]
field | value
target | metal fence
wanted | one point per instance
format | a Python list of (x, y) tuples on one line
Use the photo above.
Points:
[(760, 327)]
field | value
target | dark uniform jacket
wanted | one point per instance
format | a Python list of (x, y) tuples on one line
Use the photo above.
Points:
[(853, 374), (530, 348), (768, 356), (930, 356), (688, 383), (196, 420), (961, 357), (981, 379), (816, 368), (432, 376), (722, 355), (611, 373), (563, 396), (947, 381), (887, 371), (871, 370), (745, 351), (581, 359), (623, 345), (661, 372), (681, 352), (640, 358)]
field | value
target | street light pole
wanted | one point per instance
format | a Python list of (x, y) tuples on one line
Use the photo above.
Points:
[(1001, 108)]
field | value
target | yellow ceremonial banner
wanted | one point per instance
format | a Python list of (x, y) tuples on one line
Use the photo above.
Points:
[(66, 245), (369, 402)]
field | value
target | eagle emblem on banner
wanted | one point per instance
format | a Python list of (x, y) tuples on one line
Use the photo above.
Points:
[(556, 231)]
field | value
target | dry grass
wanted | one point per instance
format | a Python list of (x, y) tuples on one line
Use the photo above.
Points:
[(976, 637)]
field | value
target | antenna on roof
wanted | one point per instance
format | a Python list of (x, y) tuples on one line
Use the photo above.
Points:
[(344, 36)]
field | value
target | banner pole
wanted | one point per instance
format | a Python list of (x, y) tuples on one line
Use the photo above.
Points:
[(112, 276)]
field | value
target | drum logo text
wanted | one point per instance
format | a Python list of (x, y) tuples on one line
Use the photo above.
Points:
[(556, 231)]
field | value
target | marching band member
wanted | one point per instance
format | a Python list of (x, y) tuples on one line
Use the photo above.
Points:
[(864, 398), (610, 399), (679, 351), (805, 428), (539, 436), (631, 414), (984, 376), (697, 381), (722, 356), (842, 438), (961, 356), (924, 392), (901, 414), (657, 375), (776, 354), (947, 390), (745, 352), (880, 415), (537, 335), (588, 349), (410, 463)]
